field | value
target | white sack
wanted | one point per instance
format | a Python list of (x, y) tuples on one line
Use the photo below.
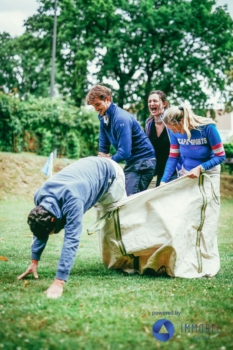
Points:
[(172, 227)]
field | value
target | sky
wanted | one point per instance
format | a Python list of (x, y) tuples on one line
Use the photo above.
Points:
[(13, 13)]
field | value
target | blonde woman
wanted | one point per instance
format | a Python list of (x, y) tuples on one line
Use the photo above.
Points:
[(196, 140)]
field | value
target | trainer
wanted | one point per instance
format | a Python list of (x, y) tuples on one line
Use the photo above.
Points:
[(120, 129), (61, 203)]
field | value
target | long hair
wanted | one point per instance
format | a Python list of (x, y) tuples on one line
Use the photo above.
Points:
[(41, 222), (175, 114)]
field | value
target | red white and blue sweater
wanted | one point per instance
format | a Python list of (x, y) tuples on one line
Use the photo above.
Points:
[(204, 148)]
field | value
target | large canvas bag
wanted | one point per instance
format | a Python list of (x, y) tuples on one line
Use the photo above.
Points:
[(172, 228)]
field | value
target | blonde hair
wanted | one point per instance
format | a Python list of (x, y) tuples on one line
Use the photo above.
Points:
[(98, 91), (175, 114)]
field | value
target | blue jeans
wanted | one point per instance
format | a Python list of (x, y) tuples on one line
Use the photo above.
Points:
[(139, 175)]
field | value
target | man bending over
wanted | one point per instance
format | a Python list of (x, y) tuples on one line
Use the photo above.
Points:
[(61, 203)]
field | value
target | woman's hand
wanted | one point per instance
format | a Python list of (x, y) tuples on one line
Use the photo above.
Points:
[(195, 172)]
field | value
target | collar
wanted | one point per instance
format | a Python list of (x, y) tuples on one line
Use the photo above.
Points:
[(106, 120), (109, 112), (161, 116)]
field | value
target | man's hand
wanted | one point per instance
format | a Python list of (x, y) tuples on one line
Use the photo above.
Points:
[(56, 289), (106, 155), (195, 172), (31, 269), (162, 183)]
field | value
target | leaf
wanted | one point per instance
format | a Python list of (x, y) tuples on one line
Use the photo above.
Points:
[(3, 258)]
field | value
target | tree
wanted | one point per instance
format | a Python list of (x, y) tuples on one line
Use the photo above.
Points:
[(8, 62), (178, 46), (23, 69), (229, 92), (79, 29), (175, 46)]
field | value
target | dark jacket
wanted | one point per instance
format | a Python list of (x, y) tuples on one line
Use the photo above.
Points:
[(162, 144), (126, 135)]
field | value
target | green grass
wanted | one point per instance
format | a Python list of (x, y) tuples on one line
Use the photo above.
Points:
[(100, 308)]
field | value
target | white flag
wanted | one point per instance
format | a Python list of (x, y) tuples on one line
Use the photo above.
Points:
[(48, 166)]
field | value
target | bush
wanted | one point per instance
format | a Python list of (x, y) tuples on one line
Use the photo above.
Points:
[(41, 125), (228, 167), (229, 150), (73, 146)]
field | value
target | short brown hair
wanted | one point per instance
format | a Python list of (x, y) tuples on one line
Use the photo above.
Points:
[(98, 91), (40, 222)]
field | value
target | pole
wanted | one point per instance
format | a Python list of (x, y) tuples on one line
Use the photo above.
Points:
[(53, 52)]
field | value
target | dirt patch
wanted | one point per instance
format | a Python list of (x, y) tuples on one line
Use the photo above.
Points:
[(20, 174), (226, 186)]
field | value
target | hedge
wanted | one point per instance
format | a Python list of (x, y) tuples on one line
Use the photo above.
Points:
[(40, 125)]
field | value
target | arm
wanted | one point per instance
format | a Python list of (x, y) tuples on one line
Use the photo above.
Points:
[(37, 248), (216, 145), (172, 159), (73, 211), (148, 125), (123, 128), (104, 143)]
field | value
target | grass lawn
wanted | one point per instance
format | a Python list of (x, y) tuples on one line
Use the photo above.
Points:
[(104, 309)]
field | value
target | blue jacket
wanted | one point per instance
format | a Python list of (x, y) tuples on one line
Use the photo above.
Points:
[(126, 135), (68, 195)]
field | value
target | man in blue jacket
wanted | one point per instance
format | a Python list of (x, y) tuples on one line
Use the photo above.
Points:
[(61, 203), (119, 128)]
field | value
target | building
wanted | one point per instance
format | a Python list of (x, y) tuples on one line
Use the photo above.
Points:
[(224, 122)]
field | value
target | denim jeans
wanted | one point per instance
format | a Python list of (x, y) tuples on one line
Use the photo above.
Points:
[(139, 175)]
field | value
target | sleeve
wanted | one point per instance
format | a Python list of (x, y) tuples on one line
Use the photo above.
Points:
[(173, 159), (104, 143), (123, 128), (37, 247), (147, 127), (216, 145), (73, 211)]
